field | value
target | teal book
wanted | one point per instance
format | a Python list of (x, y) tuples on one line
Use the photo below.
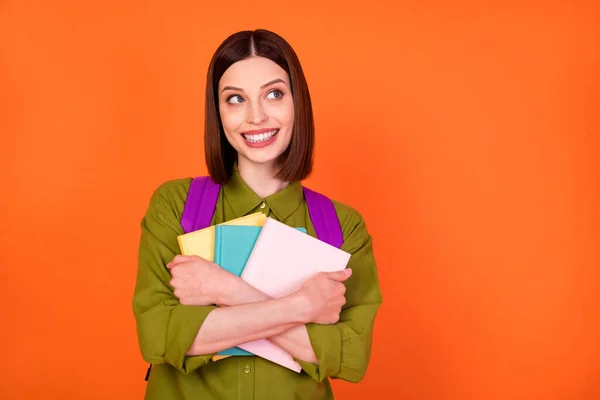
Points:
[(233, 246)]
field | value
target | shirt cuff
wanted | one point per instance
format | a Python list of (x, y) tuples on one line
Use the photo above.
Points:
[(326, 341), (184, 325)]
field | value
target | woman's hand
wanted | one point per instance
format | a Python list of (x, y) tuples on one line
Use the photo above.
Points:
[(323, 296), (199, 282)]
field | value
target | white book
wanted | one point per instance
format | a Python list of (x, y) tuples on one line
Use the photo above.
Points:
[(283, 258)]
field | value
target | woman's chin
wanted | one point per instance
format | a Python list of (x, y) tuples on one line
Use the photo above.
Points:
[(262, 160), (261, 157)]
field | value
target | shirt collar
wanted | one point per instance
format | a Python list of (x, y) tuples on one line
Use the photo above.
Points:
[(243, 200)]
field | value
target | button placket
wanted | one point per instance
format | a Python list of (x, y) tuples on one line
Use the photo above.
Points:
[(247, 368)]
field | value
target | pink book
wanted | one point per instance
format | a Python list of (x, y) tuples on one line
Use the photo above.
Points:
[(282, 259)]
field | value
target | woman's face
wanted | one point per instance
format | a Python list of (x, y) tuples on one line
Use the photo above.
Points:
[(256, 109)]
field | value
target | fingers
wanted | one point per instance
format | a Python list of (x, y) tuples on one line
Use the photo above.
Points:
[(337, 301), (180, 259), (175, 284), (174, 262), (179, 269), (340, 276)]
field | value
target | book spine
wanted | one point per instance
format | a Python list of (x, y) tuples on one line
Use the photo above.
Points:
[(247, 272), (182, 246), (217, 246)]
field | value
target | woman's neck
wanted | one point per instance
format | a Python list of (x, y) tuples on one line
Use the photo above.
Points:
[(260, 177)]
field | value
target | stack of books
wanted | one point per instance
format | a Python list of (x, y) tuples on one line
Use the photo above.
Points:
[(269, 255)]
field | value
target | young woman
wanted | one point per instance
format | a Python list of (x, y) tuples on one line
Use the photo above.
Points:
[(258, 143)]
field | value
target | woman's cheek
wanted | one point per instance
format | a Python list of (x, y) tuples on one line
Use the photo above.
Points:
[(232, 119)]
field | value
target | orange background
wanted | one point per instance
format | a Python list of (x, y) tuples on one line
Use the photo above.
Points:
[(467, 135)]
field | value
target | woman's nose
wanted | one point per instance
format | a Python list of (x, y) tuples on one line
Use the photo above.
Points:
[(256, 114)]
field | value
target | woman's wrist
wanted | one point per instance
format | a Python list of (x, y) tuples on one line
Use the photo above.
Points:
[(299, 306), (229, 287), (237, 291), (295, 307)]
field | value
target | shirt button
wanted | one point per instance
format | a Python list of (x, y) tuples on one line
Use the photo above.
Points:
[(262, 205), (247, 369)]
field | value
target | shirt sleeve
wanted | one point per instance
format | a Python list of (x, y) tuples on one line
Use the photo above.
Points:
[(165, 328), (343, 349)]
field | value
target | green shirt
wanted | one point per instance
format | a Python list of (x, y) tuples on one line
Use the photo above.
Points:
[(166, 329)]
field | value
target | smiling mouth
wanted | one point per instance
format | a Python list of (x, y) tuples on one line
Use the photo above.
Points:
[(260, 137)]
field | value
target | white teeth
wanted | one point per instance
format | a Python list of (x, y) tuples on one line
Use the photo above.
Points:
[(261, 137)]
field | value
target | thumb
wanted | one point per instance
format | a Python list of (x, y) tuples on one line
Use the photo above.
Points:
[(340, 276)]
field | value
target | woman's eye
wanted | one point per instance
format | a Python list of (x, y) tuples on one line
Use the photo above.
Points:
[(235, 99), (274, 94)]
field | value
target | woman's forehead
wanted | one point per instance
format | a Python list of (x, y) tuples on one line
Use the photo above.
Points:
[(252, 73)]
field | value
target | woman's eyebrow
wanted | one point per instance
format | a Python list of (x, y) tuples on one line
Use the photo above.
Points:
[(232, 88), (274, 81)]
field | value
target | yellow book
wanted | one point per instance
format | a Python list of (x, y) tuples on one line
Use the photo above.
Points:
[(202, 242)]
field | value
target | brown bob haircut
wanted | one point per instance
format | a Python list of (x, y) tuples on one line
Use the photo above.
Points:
[(297, 160)]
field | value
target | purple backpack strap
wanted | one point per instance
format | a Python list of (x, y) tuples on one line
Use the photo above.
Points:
[(203, 195), (200, 204), (324, 218)]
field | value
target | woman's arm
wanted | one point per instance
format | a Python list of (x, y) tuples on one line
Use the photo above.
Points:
[(250, 314), (343, 349), (225, 327), (294, 340)]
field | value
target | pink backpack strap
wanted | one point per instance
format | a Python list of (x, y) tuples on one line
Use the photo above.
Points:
[(203, 195), (324, 218), (200, 204)]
